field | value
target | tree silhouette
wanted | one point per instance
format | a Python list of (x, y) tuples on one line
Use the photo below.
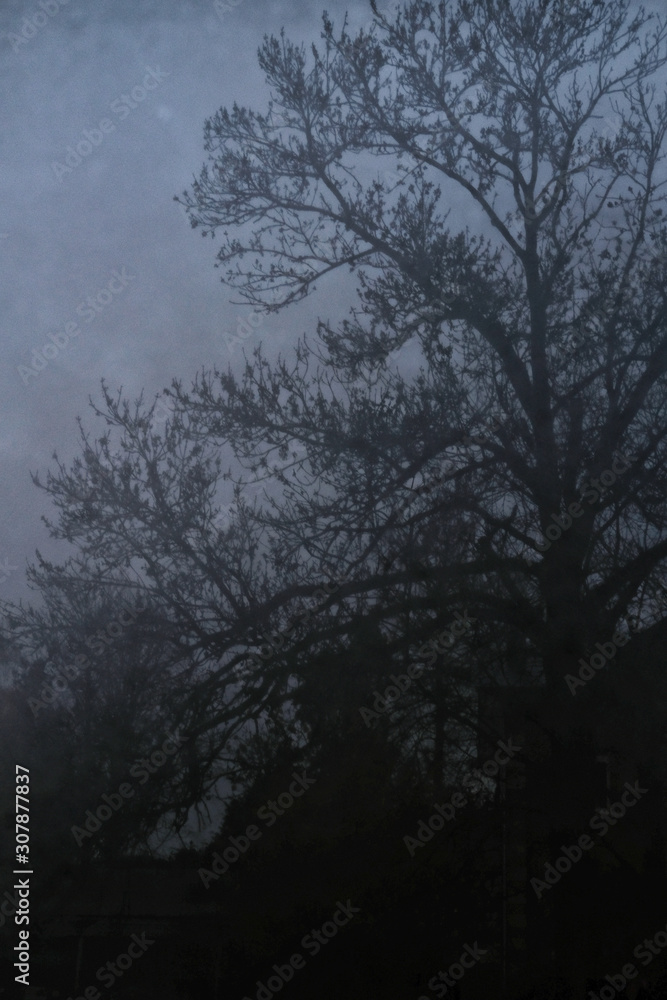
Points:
[(549, 321), (547, 327), (329, 517)]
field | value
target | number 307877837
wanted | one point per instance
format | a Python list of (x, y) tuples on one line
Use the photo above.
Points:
[(22, 814)]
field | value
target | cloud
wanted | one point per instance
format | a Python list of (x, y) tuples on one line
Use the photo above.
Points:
[(59, 241)]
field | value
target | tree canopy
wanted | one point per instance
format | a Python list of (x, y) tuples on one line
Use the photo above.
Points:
[(458, 159)]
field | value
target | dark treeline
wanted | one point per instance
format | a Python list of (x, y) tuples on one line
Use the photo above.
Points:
[(388, 626)]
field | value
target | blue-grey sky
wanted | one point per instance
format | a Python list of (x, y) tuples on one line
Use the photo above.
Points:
[(107, 226)]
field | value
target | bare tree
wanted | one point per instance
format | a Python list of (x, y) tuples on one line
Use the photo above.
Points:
[(545, 330), (543, 120)]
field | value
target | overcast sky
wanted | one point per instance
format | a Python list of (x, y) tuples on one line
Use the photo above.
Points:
[(109, 223), (108, 226)]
